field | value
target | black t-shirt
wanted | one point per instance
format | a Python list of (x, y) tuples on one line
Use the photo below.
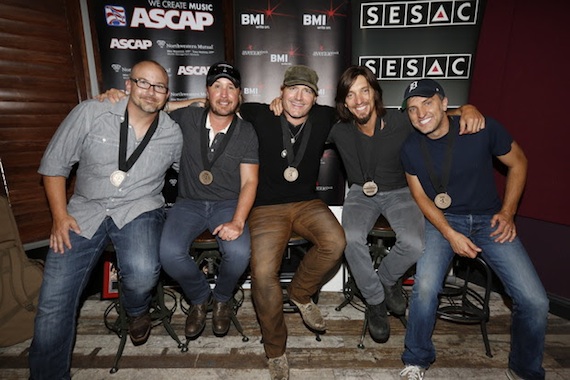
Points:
[(384, 146), (273, 188)]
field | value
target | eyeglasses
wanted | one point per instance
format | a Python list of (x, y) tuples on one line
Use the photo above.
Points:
[(141, 83)]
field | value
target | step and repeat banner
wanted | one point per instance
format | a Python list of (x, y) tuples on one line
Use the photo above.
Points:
[(273, 35), (270, 36), (401, 41), (184, 37)]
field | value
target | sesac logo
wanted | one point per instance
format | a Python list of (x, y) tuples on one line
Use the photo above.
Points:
[(450, 66), (115, 16), (130, 44), (253, 19), (318, 21), (418, 14), (171, 19)]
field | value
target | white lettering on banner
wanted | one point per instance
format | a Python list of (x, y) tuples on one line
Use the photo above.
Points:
[(405, 14), (172, 19), (251, 91), (130, 43), (192, 70), (281, 58), (445, 66), (252, 19), (314, 20)]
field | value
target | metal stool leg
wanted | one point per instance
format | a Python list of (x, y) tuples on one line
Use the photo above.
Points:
[(159, 313)]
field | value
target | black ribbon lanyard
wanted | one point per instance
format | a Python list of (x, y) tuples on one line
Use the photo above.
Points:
[(367, 167), (204, 146), (124, 164), (440, 183), (293, 159)]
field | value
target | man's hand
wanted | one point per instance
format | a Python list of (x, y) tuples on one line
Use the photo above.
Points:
[(229, 231), (506, 229), (463, 246), (471, 121), (59, 238), (113, 95), (276, 106)]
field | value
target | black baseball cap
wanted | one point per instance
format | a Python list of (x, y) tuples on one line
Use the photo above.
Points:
[(426, 88), (223, 70)]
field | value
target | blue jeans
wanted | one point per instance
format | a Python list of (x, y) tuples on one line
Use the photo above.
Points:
[(515, 270), (359, 214), (66, 276), (185, 221)]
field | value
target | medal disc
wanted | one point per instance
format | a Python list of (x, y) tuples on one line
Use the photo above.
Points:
[(284, 153), (370, 188), (442, 201), (206, 177), (291, 174), (117, 177)]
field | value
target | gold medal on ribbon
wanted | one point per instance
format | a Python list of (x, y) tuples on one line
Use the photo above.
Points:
[(206, 177), (291, 174), (117, 177), (370, 188), (442, 201)]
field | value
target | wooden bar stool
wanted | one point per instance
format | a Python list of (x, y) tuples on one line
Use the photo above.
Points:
[(206, 254), (461, 303)]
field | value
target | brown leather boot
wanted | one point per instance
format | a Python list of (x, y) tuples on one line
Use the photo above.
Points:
[(196, 320), (221, 317), (139, 328)]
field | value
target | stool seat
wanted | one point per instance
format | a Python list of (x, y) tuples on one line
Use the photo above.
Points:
[(382, 229), (205, 241)]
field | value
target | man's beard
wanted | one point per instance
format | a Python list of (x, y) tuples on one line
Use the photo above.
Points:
[(363, 120)]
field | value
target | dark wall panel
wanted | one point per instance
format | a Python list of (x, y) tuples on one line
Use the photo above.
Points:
[(42, 72)]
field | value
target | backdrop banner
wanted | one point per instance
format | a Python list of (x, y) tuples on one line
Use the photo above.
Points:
[(401, 41), (184, 37), (271, 35)]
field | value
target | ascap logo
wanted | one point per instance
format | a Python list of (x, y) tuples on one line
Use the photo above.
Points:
[(192, 70), (130, 44), (172, 19), (405, 14), (450, 66)]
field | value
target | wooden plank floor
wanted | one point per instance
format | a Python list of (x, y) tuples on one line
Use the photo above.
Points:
[(460, 349)]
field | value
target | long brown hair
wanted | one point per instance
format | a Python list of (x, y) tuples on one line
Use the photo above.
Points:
[(346, 81)]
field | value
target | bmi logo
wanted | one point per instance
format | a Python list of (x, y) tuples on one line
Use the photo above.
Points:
[(445, 66), (279, 58), (406, 14), (115, 15), (254, 19), (314, 20)]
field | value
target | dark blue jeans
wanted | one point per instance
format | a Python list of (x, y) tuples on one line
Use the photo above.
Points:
[(515, 270), (66, 276), (186, 220)]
